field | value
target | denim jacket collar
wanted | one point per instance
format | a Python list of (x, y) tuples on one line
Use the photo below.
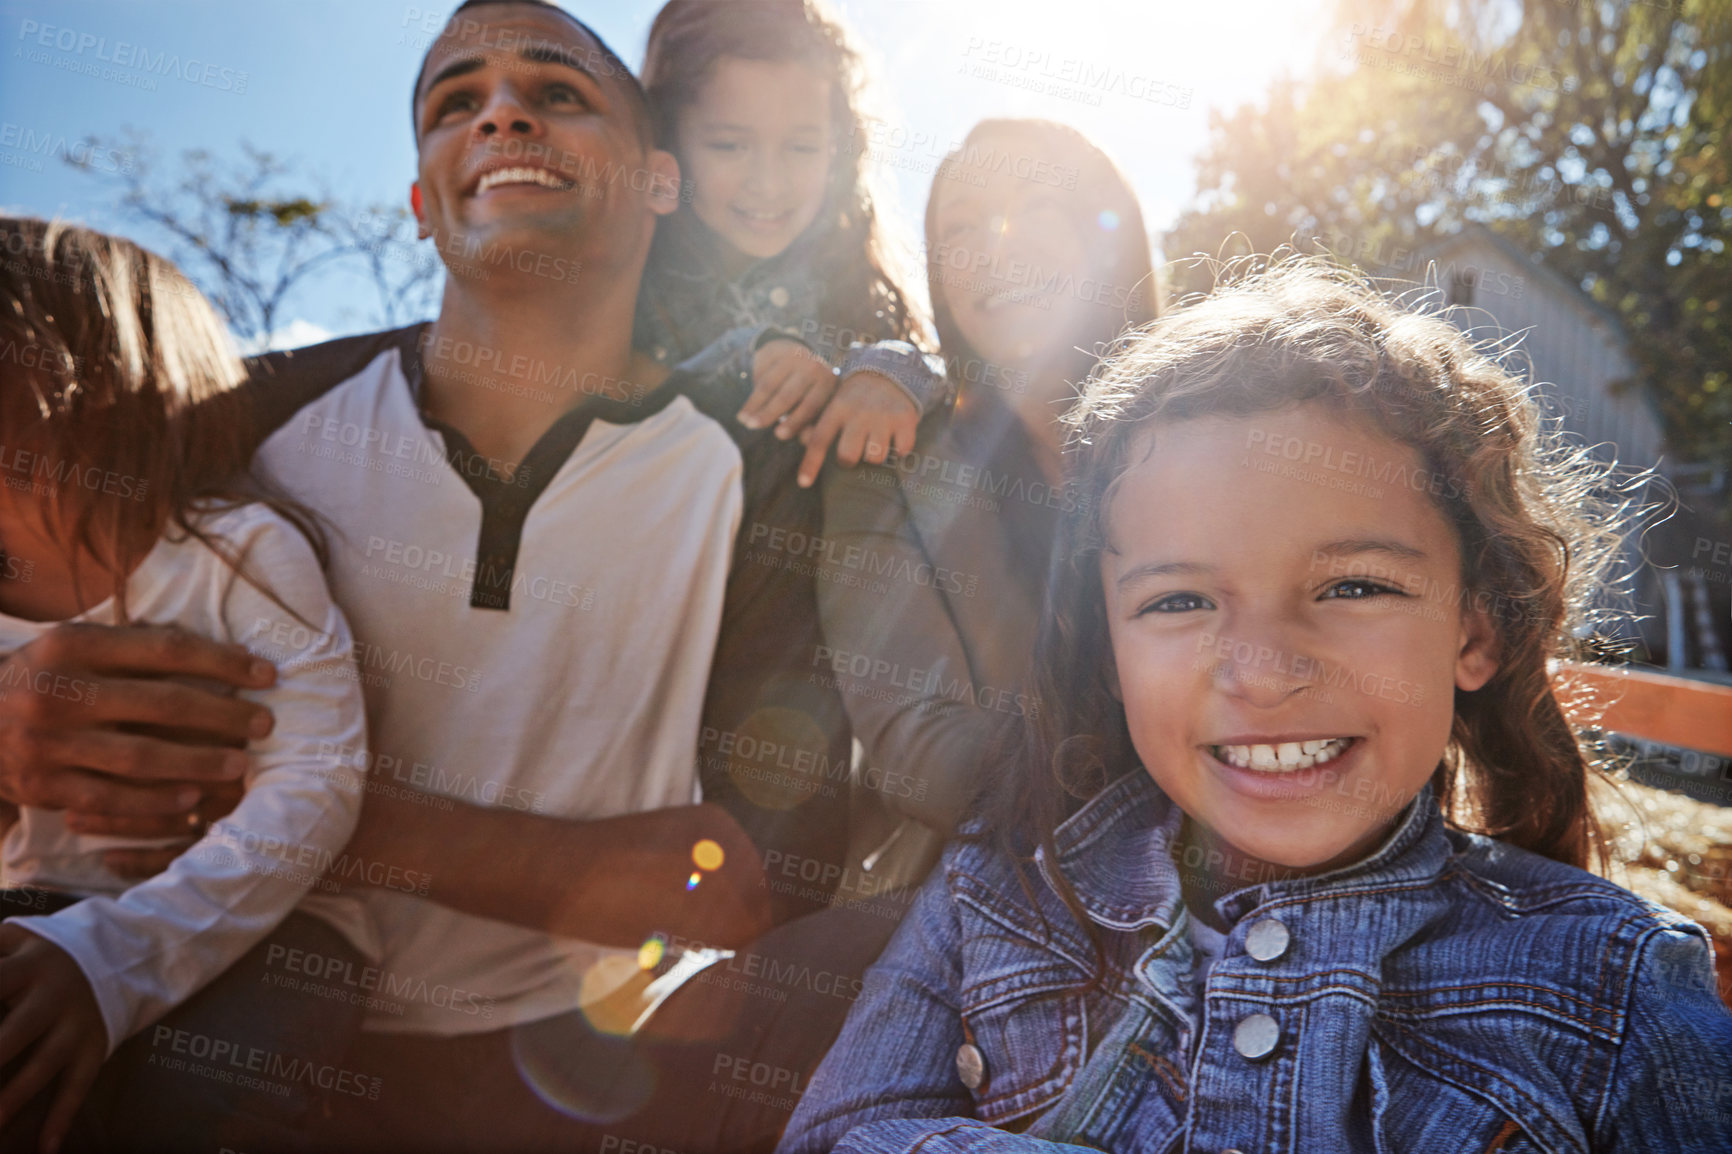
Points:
[(1106, 847)]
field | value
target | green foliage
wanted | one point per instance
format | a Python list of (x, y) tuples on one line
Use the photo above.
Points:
[(1592, 133)]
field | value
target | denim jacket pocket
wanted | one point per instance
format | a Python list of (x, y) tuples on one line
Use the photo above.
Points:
[(1022, 1004), (1427, 1101)]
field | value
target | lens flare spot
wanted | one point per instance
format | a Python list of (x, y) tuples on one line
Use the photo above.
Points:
[(649, 955), (692, 882), (707, 855), (583, 1072), (1109, 220)]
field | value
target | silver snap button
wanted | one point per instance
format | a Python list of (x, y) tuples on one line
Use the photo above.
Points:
[(1256, 1036), (1232, 1150), (779, 298), (970, 1065), (1267, 940)]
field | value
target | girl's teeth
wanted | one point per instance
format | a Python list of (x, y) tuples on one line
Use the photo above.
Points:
[(1284, 757)]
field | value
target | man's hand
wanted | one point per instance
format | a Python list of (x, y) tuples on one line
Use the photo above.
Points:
[(790, 386), (218, 801), (51, 1015), (871, 414), (82, 712)]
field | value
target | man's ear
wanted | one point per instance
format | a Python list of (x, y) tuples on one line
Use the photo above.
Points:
[(664, 184), (1476, 661), (422, 232)]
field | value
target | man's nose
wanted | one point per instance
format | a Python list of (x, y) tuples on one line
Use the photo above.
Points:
[(506, 112)]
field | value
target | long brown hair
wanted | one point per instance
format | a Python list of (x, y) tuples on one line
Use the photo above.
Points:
[(1537, 537), (866, 279), (1068, 159), (122, 395)]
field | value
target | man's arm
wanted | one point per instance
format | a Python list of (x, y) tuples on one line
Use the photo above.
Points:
[(614, 881)]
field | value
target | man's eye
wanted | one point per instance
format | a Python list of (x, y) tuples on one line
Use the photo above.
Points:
[(563, 94), (1177, 603), (1358, 589), (456, 102)]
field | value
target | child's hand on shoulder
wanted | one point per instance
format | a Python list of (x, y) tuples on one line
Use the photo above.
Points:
[(870, 416), (790, 386), (52, 1020)]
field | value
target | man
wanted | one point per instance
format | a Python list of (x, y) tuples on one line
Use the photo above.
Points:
[(536, 589)]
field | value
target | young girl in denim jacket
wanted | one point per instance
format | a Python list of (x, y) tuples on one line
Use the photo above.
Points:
[(781, 230), (1292, 859)]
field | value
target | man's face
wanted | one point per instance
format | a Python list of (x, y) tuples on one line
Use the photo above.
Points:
[(529, 152)]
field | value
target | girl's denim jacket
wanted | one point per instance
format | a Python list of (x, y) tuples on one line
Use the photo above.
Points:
[(1447, 993), (689, 316)]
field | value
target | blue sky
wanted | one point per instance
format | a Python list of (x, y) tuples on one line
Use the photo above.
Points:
[(324, 84)]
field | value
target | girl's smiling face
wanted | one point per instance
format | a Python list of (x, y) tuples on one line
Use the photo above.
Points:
[(757, 145), (1288, 631)]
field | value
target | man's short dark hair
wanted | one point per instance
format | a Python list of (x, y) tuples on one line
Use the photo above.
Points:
[(636, 99)]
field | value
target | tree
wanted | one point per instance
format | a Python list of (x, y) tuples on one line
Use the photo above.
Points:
[(1594, 133), (249, 233)]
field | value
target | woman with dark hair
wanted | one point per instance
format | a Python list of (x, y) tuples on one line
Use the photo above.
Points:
[(936, 565)]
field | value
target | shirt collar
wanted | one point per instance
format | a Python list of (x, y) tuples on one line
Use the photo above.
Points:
[(1106, 850)]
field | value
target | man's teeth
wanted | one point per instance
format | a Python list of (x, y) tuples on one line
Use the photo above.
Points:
[(1285, 757), (522, 176)]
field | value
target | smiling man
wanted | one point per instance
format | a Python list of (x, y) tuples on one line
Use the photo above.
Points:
[(539, 544)]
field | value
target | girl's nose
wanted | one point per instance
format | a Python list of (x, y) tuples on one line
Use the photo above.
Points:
[(1261, 670), (764, 176)]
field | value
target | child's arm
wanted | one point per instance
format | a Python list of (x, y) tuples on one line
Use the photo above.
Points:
[(149, 948), (1669, 1091), (884, 391), (886, 388)]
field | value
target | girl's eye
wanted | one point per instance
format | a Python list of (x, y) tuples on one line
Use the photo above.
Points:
[(804, 149), (723, 145), (1177, 603), (1358, 589)]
